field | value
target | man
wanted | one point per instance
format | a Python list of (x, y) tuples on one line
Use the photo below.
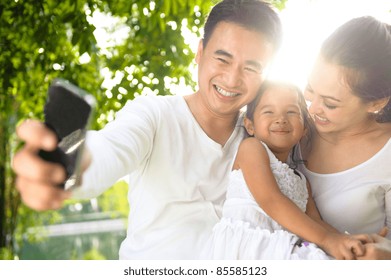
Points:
[(178, 150)]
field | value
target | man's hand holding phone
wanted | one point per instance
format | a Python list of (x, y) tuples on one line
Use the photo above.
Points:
[(53, 158), (37, 179)]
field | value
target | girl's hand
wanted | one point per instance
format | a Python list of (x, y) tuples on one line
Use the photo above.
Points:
[(343, 246)]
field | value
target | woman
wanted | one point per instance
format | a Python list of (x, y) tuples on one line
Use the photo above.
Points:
[(348, 161)]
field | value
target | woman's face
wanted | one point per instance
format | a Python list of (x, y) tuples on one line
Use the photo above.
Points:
[(333, 106)]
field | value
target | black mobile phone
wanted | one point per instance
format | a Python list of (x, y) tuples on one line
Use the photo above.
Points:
[(68, 112)]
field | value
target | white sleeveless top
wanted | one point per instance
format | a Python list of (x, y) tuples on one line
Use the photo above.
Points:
[(241, 205), (357, 200), (246, 232)]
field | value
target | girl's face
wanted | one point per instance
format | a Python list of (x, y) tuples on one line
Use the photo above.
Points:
[(333, 106), (278, 120)]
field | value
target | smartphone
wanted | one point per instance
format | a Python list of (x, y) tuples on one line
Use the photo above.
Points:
[(68, 112)]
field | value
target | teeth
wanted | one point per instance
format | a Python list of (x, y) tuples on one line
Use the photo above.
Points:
[(226, 93), (321, 119)]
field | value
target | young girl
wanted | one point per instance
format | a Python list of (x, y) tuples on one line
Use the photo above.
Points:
[(269, 205)]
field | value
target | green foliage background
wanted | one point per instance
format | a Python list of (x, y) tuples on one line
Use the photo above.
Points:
[(44, 39)]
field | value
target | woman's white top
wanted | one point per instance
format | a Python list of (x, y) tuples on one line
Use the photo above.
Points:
[(357, 200)]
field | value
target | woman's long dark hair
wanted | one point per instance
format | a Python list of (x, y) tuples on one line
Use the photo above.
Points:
[(362, 47)]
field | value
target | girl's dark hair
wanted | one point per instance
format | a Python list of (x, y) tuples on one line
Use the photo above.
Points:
[(254, 15), (308, 123), (268, 84), (362, 47)]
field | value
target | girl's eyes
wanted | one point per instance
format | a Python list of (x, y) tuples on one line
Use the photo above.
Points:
[(288, 112)]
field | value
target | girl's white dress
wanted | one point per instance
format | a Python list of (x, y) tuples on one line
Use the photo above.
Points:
[(245, 231)]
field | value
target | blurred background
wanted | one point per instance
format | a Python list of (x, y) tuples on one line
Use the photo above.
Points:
[(117, 50)]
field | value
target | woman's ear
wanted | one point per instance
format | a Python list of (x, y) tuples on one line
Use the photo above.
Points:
[(248, 124), (376, 106)]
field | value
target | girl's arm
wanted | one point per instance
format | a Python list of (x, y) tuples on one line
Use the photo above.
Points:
[(253, 160)]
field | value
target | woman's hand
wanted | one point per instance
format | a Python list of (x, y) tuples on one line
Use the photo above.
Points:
[(377, 247)]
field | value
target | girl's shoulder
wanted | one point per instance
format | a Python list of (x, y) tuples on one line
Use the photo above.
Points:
[(251, 144), (250, 150), (253, 149), (250, 141)]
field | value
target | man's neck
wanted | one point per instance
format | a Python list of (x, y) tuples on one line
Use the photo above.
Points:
[(218, 127)]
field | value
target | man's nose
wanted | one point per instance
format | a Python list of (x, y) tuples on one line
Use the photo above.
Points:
[(234, 76)]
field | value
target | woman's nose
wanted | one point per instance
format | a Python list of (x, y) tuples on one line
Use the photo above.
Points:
[(314, 106)]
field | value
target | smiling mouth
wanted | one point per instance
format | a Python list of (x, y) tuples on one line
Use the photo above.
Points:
[(280, 131), (226, 93), (320, 119)]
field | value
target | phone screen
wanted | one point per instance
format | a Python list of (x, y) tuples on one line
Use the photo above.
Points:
[(68, 112)]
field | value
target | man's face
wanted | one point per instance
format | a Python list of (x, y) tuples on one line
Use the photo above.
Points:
[(231, 68)]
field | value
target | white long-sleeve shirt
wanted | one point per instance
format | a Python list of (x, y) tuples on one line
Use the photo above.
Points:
[(178, 176)]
